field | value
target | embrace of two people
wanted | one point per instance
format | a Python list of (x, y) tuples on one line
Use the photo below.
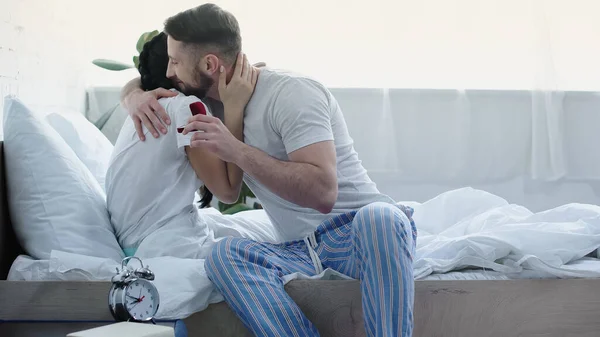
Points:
[(201, 115)]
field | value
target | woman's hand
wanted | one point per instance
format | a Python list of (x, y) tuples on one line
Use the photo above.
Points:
[(236, 94)]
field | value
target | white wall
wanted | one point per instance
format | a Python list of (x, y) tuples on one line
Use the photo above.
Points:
[(458, 44), (40, 55)]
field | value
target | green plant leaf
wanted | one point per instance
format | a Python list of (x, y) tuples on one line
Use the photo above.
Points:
[(140, 42), (151, 35), (111, 65), (136, 62), (105, 117), (145, 37), (223, 206), (246, 192), (236, 209)]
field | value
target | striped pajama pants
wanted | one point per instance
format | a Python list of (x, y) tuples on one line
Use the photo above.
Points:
[(374, 244)]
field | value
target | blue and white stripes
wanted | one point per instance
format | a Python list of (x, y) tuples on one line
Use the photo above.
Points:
[(375, 244)]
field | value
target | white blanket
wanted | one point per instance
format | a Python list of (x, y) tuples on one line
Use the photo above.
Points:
[(457, 229)]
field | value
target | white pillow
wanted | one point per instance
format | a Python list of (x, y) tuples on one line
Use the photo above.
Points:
[(54, 201), (90, 145)]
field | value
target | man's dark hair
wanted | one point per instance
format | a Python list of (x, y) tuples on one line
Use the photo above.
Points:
[(152, 66), (209, 27)]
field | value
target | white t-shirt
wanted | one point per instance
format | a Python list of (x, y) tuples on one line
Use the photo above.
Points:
[(287, 112), (150, 184)]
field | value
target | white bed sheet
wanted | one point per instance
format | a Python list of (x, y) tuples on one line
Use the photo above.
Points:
[(457, 229), (585, 264)]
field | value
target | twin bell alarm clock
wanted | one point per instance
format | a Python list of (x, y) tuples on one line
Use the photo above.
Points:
[(132, 295)]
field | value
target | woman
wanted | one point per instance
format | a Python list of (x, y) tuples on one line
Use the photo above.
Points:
[(151, 185)]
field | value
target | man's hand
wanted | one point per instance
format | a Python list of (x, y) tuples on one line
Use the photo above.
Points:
[(143, 107), (215, 137)]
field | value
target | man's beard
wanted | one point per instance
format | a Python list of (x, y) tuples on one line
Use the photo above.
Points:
[(200, 90)]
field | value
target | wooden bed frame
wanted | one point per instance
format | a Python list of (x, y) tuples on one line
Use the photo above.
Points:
[(548, 308)]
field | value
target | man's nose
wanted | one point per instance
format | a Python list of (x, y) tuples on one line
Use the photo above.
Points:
[(170, 71)]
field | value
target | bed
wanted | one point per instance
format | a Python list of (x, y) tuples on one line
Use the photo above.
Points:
[(462, 303)]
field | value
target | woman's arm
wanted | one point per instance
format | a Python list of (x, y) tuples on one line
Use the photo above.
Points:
[(223, 179)]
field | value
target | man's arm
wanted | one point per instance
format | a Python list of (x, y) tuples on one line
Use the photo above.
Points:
[(309, 179), (143, 107), (135, 85), (302, 117)]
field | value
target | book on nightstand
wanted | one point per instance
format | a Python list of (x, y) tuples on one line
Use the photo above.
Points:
[(127, 329)]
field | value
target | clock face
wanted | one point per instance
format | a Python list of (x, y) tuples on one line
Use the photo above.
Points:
[(141, 300)]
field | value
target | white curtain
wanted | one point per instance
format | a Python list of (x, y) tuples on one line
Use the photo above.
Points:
[(547, 160)]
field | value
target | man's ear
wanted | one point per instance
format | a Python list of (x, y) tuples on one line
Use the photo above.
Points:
[(212, 64)]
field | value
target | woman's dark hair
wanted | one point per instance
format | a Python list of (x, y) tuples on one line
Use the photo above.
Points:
[(152, 66), (206, 196)]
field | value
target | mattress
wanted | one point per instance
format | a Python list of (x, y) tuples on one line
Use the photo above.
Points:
[(463, 234), (27, 268)]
